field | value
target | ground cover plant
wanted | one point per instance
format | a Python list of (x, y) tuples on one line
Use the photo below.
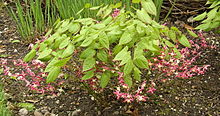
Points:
[(3, 109), (121, 57)]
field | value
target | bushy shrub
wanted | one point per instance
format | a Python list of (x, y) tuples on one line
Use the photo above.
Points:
[(113, 53)]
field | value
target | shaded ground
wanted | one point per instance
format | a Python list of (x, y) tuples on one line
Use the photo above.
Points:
[(192, 97)]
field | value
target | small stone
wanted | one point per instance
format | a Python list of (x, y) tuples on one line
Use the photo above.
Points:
[(76, 112), (51, 114), (99, 113), (37, 113), (15, 50), (57, 102), (23, 112), (116, 113)]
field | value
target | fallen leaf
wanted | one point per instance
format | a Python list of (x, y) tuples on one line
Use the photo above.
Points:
[(2, 50)]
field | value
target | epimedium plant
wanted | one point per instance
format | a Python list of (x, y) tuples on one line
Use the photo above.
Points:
[(114, 52), (210, 20)]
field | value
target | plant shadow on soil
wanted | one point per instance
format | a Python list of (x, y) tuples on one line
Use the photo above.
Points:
[(189, 97)]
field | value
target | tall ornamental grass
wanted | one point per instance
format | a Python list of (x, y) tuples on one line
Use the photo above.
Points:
[(33, 17)]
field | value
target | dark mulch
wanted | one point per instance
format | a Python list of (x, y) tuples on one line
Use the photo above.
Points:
[(198, 96)]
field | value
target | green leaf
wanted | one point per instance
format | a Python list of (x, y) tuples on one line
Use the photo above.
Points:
[(102, 55), (105, 79), (184, 41), (58, 41), (143, 16), (89, 52), (43, 46), (88, 63), (89, 40), (68, 51), (98, 26), (169, 44), (172, 35), (126, 58), (128, 67), (51, 65), (137, 74), (215, 3), (138, 51), (192, 33), (121, 54), (141, 62), (62, 62), (45, 53), (28, 106), (88, 75), (1, 70), (128, 80), (64, 43), (149, 6), (95, 7), (103, 39), (107, 12), (200, 17), (16, 41), (176, 51), (54, 73), (107, 20), (30, 55), (51, 39), (212, 14), (125, 38), (136, 1), (203, 26), (117, 49), (117, 5), (74, 27)]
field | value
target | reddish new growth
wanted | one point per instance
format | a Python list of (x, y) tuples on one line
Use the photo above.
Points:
[(183, 67), (32, 74), (124, 92)]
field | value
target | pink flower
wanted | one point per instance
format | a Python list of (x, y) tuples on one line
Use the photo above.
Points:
[(151, 90)]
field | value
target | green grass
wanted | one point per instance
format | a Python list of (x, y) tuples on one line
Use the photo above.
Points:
[(3, 109), (34, 17)]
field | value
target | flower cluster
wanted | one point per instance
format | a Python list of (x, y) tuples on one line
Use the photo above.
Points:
[(32, 74), (183, 67), (115, 13), (124, 92)]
